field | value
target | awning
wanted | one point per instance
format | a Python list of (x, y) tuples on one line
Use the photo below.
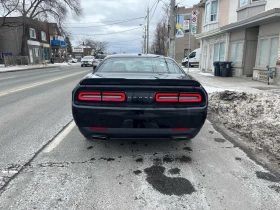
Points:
[(266, 17)]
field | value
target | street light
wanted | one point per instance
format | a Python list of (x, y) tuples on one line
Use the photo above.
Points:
[(145, 37)]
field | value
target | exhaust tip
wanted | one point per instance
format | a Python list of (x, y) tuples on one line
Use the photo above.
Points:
[(179, 138), (99, 137)]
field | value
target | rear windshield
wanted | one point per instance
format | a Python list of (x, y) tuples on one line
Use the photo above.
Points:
[(145, 65), (88, 57), (100, 56)]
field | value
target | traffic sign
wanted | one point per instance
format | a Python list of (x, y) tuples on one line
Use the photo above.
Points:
[(194, 13), (193, 30), (194, 20), (186, 25)]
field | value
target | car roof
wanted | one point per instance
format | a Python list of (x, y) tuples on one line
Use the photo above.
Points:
[(136, 56)]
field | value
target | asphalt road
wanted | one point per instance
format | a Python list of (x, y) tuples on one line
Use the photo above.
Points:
[(208, 172)]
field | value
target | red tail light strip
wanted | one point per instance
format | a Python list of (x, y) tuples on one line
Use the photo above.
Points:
[(180, 129), (104, 96), (167, 97), (113, 96), (89, 96), (176, 97), (190, 98)]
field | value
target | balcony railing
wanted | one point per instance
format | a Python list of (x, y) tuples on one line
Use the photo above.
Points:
[(58, 43)]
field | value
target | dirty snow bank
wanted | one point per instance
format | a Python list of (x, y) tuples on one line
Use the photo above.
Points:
[(255, 116)]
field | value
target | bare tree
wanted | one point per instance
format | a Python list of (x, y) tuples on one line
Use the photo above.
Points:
[(56, 10), (159, 44), (8, 7), (94, 44)]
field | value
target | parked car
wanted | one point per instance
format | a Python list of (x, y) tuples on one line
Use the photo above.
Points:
[(193, 58), (73, 60), (87, 61), (139, 96), (98, 58)]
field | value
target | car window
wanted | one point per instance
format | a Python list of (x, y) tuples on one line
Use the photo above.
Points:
[(100, 57), (192, 55), (145, 65), (88, 57)]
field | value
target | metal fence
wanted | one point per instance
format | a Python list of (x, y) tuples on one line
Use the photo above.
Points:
[(16, 60)]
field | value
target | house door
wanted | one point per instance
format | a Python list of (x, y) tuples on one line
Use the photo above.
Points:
[(250, 57), (31, 55)]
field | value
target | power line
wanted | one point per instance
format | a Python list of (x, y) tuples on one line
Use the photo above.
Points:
[(107, 33), (107, 21), (104, 25), (154, 10)]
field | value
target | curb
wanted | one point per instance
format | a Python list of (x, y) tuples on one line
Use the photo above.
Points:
[(36, 68)]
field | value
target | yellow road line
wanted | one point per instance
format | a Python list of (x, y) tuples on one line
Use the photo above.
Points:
[(38, 84)]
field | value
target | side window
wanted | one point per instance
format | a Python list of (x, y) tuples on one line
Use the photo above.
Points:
[(172, 67), (192, 55)]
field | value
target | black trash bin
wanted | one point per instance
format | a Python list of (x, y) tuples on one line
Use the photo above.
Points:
[(225, 69), (216, 68), (227, 66), (52, 60)]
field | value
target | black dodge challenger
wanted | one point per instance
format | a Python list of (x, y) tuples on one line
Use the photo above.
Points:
[(139, 96)]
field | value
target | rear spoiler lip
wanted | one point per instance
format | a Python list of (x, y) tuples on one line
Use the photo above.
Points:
[(140, 82)]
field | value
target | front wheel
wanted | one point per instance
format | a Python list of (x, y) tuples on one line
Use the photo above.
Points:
[(82, 65), (186, 65)]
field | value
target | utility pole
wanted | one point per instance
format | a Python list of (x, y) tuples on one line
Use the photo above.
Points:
[(172, 30), (148, 26), (145, 37)]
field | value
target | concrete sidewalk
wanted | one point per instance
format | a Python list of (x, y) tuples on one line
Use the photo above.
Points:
[(33, 67), (213, 84)]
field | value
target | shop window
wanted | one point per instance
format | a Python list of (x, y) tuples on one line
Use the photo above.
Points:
[(267, 52), (219, 51), (36, 52), (236, 53)]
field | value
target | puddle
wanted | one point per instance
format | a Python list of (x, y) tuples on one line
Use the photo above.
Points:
[(174, 171), (219, 140), (168, 185), (137, 172), (139, 160), (188, 149), (108, 159), (267, 176)]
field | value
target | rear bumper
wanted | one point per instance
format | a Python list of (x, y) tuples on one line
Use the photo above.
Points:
[(139, 123), (139, 133)]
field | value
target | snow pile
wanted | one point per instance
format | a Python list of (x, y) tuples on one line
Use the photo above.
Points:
[(255, 116)]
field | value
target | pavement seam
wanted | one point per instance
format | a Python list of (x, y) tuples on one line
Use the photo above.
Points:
[(27, 164)]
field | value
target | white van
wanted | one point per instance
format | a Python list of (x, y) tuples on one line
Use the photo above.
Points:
[(193, 58)]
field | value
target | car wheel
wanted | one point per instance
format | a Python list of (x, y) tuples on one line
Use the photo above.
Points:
[(186, 65), (82, 65)]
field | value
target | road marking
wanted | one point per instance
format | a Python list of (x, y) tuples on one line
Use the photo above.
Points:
[(59, 138), (38, 84), (7, 78)]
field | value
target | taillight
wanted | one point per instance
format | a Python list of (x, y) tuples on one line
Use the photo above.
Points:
[(190, 98), (176, 97), (102, 96), (180, 129), (89, 96), (113, 96), (167, 97)]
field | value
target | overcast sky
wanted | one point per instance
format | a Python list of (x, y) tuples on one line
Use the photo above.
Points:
[(98, 14)]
